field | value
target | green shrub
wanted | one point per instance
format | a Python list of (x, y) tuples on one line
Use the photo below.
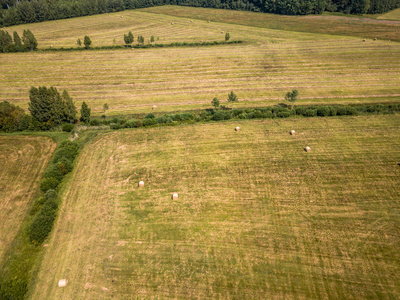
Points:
[(95, 122), (283, 114), (177, 117), (219, 115), (49, 183), (53, 172), (267, 114), (149, 121), (243, 115), (258, 114), (323, 111), (310, 112), (14, 288), (150, 116), (40, 228), (66, 149), (115, 126), (332, 111), (50, 195), (64, 165), (36, 206), (187, 116), (68, 127), (115, 120)]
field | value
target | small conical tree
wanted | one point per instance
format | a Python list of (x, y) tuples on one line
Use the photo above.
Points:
[(227, 36), (232, 97), (69, 108), (17, 40), (215, 102), (85, 113), (87, 42), (5, 40), (29, 40)]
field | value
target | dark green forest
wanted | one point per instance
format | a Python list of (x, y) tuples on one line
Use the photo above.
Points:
[(13, 12)]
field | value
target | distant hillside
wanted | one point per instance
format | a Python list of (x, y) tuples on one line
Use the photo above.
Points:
[(13, 12)]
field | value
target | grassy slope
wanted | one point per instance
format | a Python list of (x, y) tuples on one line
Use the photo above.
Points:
[(324, 68), (257, 217), (22, 160), (391, 15), (326, 24)]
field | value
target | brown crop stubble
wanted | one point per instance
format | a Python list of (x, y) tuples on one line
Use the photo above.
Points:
[(257, 216), (23, 161)]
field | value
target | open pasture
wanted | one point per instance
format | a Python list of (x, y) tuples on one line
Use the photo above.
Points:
[(23, 160), (257, 216), (391, 15), (324, 68)]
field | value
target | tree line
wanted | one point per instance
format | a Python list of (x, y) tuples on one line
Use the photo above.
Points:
[(7, 44), (48, 109), (13, 12)]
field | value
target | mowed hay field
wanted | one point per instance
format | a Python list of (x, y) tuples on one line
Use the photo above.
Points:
[(23, 160), (324, 68), (257, 216)]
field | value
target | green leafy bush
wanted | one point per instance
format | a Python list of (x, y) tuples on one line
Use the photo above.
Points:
[(283, 114), (67, 127), (310, 112), (323, 111), (149, 121), (40, 228), (14, 288), (50, 195), (53, 172), (49, 183), (115, 126), (150, 116), (66, 149), (95, 122), (64, 165)]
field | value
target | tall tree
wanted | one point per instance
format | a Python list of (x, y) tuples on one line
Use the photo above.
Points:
[(5, 41), (17, 40), (46, 107), (29, 40), (128, 38), (69, 108), (87, 42), (85, 113)]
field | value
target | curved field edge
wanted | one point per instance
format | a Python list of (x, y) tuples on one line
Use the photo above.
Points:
[(325, 24), (23, 160), (256, 217)]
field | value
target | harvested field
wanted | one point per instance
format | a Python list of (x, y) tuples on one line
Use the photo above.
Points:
[(23, 160), (324, 68), (257, 216)]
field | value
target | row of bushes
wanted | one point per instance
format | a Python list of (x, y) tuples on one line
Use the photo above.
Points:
[(45, 207), (278, 111), (175, 44)]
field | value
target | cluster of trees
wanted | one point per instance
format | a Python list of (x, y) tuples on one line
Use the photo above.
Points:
[(28, 41), (14, 12), (48, 109)]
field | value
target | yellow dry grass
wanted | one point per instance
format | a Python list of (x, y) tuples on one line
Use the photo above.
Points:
[(257, 216), (23, 160), (324, 68)]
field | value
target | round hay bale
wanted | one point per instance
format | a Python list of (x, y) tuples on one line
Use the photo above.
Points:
[(222, 32), (62, 282), (375, 39), (307, 149), (175, 196), (191, 21), (208, 21), (237, 128), (364, 40), (122, 16), (292, 132), (154, 106), (172, 23), (141, 183)]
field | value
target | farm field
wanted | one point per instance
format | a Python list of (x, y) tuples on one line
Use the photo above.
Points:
[(391, 15), (23, 160), (257, 216), (271, 62)]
